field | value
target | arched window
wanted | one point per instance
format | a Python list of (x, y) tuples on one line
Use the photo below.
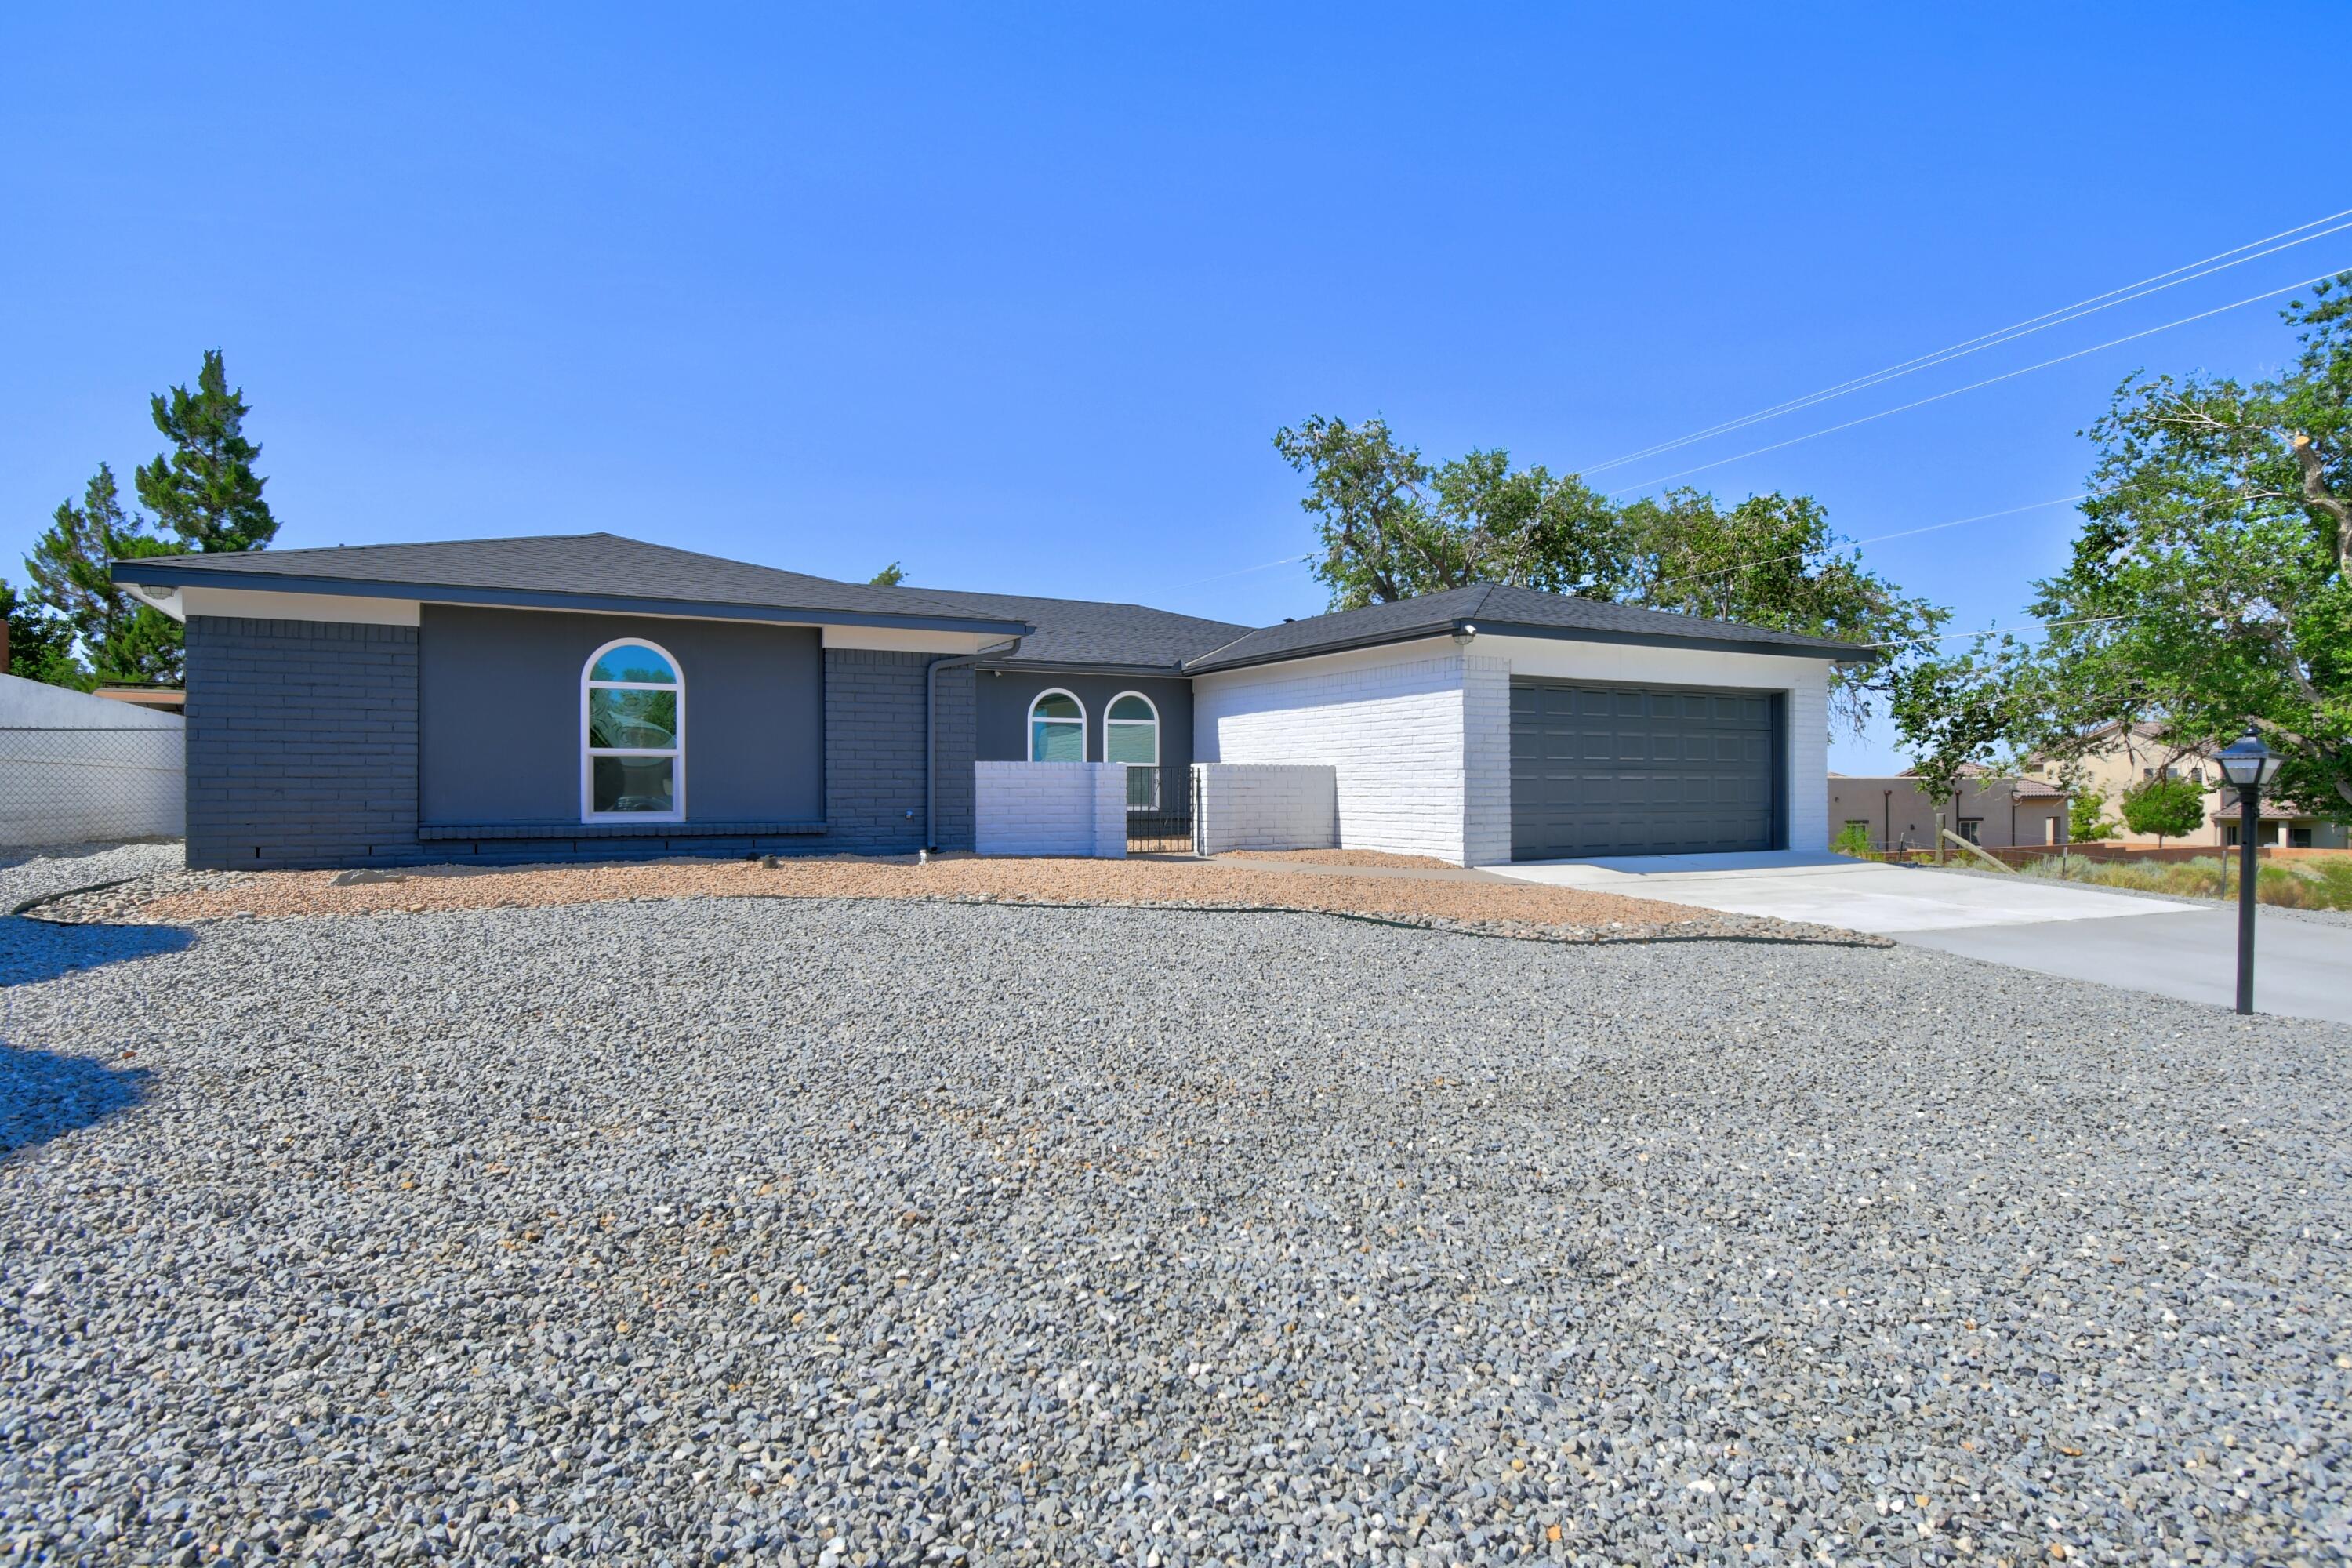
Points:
[(1131, 735), (632, 734), (1057, 729)]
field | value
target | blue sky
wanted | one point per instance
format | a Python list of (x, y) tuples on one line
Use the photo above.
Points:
[(1019, 297)]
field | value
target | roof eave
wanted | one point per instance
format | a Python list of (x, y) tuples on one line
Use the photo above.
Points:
[(150, 572), (1838, 653)]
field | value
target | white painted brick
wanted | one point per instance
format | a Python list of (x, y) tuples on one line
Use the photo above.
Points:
[(1264, 806), (1050, 809)]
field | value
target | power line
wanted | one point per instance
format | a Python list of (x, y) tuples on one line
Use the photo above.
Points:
[(1996, 631), (2032, 324), (1876, 539), (1975, 385)]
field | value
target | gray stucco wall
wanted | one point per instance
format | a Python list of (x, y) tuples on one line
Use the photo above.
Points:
[(500, 736), (301, 744), (1002, 713)]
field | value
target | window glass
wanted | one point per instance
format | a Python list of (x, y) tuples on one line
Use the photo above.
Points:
[(1132, 708), (1131, 730), (634, 757), (634, 783), (625, 719), (1057, 729), (634, 661)]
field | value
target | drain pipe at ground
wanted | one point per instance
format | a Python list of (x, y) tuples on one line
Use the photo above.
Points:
[(931, 733)]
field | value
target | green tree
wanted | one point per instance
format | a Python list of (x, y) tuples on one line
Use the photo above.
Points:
[(2166, 807), (890, 576), (1368, 495), (41, 643), (121, 638), (205, 488), (2211, 587), (1951, 714), (2086, 816)]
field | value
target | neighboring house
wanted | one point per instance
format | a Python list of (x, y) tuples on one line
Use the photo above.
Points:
[(593, 695), (2127, 757), (1993, 810), (155, 699)]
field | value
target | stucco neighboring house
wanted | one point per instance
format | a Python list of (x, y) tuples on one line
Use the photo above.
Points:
[(1993, 810), (592, 696), (2130, 757)]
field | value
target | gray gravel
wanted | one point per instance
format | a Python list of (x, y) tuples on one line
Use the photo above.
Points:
[(29, 873), (845, 1233)]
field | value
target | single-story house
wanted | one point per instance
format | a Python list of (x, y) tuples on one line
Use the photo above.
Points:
[(593, 695), (1995, 810)]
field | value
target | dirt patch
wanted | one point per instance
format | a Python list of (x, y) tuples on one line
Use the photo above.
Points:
[(1497, 907), (1368, 858)]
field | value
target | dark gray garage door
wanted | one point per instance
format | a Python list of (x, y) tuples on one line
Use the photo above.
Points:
[(1640, 770)]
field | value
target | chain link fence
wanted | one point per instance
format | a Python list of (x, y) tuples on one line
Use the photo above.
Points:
[(66, 785)]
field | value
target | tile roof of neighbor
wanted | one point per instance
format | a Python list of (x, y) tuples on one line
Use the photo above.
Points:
[(1499, 607), (609, 570)]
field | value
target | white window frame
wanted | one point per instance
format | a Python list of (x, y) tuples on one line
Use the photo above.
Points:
[(1029, 723), (588, 754), (1111, 707)]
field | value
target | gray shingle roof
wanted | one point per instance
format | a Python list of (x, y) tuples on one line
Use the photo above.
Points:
[(598, 567), (1085, 632), (1498, 609)]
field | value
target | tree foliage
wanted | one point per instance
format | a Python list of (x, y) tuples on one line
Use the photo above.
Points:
[(206, 497), (1953, 713), (2086, 816), (40, 644), (890, 576), (1393, 526), (2166, 807), (121, 638), (2211, 588), (205, 488)]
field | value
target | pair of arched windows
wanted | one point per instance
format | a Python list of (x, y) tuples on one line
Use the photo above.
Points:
[(1057, 729), (632, 734)]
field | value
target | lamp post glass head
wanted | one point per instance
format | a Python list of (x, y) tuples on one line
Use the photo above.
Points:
[(2247, 764)]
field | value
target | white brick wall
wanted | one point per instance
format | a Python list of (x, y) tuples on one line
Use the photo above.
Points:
[(1050, 809), (1264, 806), (1486, 748), (1388, 721), (75, 767)]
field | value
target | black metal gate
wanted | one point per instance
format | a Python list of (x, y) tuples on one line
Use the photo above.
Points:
[(1159, 819)]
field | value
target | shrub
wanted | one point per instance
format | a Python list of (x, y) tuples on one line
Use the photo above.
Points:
[(1853, 839)]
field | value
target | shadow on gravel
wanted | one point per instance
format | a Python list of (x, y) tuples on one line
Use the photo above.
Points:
[(33, 951), (44, 1095)]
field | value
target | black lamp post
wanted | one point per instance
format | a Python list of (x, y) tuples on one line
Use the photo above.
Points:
[(2249, 766)]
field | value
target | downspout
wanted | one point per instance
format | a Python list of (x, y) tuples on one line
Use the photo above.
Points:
[(932, 731)]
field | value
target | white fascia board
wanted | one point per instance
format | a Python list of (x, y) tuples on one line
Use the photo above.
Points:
[(1641, 664), (264, 604), (1275, 671)]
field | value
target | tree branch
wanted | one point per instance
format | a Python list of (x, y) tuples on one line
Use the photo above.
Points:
[(2314, 490)]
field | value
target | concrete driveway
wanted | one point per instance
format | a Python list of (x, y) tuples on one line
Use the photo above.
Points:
[(2303, 968)]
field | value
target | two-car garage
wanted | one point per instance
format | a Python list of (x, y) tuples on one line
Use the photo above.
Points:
[(1614, 769)]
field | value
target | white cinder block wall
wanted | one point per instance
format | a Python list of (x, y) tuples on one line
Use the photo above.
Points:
[(1418, 736), (1050, 809), (75, 768)]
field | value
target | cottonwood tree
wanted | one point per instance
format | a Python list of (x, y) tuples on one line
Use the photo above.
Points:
[(2211, 588), (1953, 712)]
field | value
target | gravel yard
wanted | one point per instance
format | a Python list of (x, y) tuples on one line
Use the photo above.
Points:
[(833, 1231), (1490, 906), (38, 873)]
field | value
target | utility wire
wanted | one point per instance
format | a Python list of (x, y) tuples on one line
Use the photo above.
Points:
[(1996, 631), (2032, 324), (1974, 385), (1875, 539)]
